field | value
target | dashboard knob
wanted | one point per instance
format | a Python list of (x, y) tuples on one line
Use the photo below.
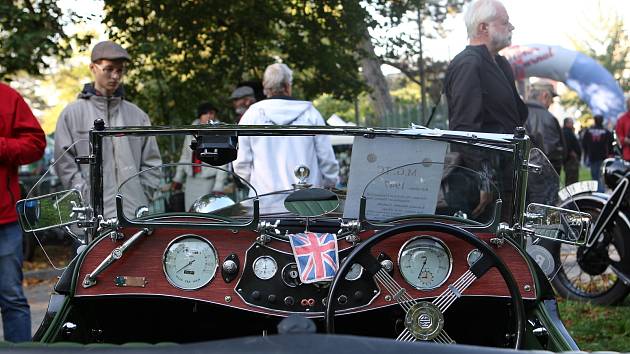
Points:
[(230, 267), (342, 299), (388, 265), (358, 295), (289, 301), (256, 295), (271, 298)]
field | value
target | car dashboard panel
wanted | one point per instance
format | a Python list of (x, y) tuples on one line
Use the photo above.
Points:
[(231, 268)]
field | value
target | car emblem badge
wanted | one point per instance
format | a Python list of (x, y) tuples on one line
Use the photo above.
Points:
[(424, 320)]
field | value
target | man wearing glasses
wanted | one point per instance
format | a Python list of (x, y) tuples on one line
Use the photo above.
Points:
[(122, 156)]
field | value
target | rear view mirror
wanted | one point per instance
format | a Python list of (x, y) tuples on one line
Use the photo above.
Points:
[(311, 202), (558, 224), (49, 211)]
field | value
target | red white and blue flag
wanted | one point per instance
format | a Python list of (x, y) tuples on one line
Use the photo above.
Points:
[(316, 255)]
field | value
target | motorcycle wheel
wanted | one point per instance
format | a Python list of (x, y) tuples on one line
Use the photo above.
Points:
[(590, 278)]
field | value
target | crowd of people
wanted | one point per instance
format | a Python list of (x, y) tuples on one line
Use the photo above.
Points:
[(479, 86)]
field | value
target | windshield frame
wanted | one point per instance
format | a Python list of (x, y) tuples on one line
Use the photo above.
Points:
[(517, 144)]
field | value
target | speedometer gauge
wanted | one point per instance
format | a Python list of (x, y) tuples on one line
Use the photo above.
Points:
[(425, 262), (190, 262)]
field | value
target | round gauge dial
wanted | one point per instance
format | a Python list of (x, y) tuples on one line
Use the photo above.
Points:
[(190, 262), (355, 272), (291, 275), (425, 262), (265, 267)]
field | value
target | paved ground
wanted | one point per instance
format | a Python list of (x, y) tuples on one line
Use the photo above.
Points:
[(38, 296)]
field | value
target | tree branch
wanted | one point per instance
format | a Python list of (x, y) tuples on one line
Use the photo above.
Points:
[(409, 73)]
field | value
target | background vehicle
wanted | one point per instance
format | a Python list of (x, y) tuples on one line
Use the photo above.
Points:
[(598, 271), (418, 255)]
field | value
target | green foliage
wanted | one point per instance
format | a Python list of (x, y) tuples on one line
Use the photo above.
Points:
[(185, 52), (31, 32), (328, 105)]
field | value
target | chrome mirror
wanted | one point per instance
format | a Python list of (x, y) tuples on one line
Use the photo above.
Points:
[(558, 224), (210, 203), (49, 211), (311, 202)]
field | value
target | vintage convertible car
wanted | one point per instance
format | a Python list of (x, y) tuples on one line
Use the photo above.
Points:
[(426, 242)]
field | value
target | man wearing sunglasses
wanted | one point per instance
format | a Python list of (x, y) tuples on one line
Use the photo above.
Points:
[(122, 157)]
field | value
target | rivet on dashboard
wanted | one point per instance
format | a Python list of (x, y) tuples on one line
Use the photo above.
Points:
[(527, 287), (388, 298), (228, 298)]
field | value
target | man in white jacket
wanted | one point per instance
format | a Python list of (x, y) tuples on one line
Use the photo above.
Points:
[(268, 162)]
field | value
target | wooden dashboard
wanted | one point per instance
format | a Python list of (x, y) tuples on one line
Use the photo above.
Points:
[(144, 260)]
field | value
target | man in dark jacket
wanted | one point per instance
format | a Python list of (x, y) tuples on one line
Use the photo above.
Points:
[(480, 90), (574, 153), (22, 141), (542, 126), (596, 144), (479, 83)]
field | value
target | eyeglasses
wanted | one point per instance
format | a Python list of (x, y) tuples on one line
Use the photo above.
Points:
[(109, 71)]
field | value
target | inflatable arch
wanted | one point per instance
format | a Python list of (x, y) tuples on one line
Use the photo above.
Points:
[(592, 82)]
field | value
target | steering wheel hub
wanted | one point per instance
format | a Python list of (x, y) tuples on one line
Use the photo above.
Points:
[(424, 320)]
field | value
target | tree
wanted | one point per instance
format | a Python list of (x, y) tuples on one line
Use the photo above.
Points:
[(31, 33), (186, 52), (401, 42)]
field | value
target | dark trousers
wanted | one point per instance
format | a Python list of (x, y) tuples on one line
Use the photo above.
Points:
[(571, 170)]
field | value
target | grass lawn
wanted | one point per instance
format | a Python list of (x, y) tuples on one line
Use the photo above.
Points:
[(598, 327)]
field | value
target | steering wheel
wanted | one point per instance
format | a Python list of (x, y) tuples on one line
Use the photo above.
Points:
[(424, 320)]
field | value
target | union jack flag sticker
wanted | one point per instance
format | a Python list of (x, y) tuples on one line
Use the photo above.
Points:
[(316, 255)]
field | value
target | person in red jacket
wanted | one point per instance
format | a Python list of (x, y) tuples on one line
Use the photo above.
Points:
[(22, 141), (623, 131)]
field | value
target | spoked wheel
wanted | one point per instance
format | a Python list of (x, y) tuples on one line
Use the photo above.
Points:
[(424, 320), (589, 274)]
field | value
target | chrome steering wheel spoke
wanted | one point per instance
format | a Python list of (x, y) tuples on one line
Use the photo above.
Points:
[(454, 291), (444, 338), (406, 336), (398, 293)]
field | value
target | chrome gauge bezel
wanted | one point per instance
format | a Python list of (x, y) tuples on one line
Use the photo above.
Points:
[(352, 266), (179, 239), (275, 271), (444, 247)]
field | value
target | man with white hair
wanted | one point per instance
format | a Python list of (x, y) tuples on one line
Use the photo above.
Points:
[(268, 162), (482, 97), (479, 83)]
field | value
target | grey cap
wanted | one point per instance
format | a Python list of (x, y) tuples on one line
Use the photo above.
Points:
[(241, 92), (110, 51)]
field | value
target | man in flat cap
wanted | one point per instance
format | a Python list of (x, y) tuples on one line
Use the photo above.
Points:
[(546, 134), (122, 156), (542, 126), (242, 97)]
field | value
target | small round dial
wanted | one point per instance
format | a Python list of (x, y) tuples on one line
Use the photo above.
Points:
[(425, 262), (355, 272), (265, 267), (190, 262)]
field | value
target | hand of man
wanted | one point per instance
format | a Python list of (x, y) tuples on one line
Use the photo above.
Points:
[(485, 198), (626, 140)]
